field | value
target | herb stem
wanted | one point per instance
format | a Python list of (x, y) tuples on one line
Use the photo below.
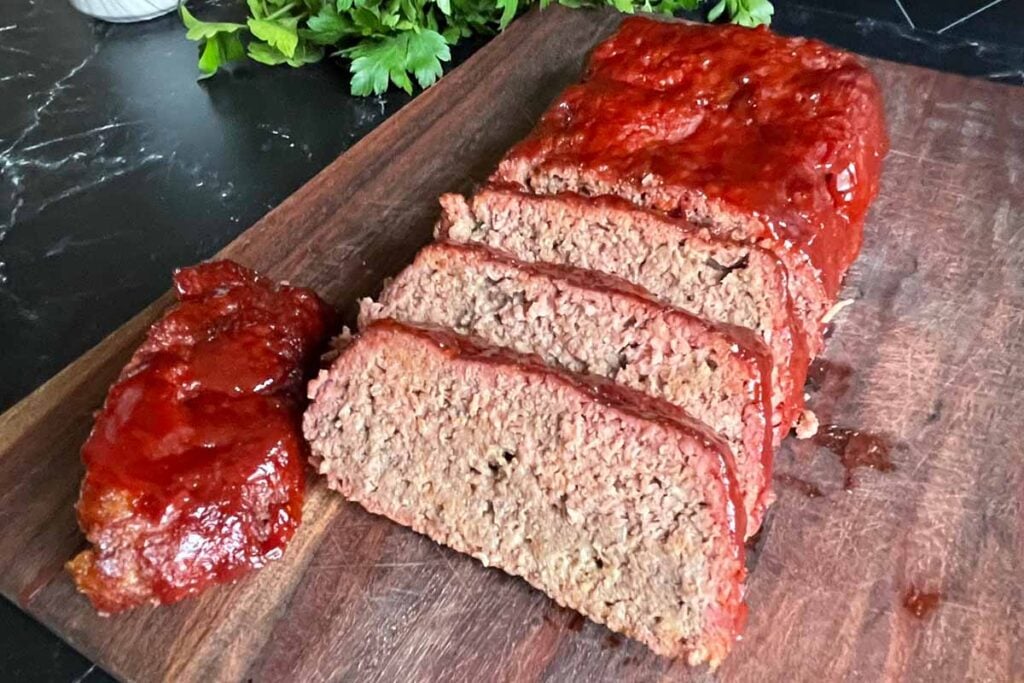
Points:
[(281, 11)]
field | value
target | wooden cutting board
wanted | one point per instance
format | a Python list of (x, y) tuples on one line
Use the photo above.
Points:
[(859, 574)]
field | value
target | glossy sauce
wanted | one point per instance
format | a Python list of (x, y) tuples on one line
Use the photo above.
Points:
[(787, 131), (921, 603), (576, 622), (612, 641), (800, 485), (856, 449), (829, 377), (194, 468)]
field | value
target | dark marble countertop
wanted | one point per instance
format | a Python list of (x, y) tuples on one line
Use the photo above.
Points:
[(117, 166)]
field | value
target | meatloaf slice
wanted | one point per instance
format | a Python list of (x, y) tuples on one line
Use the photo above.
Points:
[(761, 137), (584, 322), (613, 503), (721, 280)]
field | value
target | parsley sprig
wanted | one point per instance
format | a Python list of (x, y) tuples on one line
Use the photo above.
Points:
[(394, 42)]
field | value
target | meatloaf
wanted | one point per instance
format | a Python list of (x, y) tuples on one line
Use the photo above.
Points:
[(613, 503), (760, 137), (583, 322), (714, 278), (194, 470)]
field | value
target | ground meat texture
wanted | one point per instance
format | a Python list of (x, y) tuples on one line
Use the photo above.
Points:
[(584, 322), (717, 279), (194, 470), (761, 137), (613, 503)]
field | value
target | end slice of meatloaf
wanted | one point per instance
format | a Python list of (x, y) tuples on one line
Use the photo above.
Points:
[(762, 137), (195, 466), (721, 280), (585, 322), (613, 503)]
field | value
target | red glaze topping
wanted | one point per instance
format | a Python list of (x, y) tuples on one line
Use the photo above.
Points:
[(921, 603), (194, 468), (856, 449), (787, 131)]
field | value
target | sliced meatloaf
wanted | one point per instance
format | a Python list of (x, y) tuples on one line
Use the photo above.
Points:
[(721, 280), (613, 503), (583, 322), (760, 137)]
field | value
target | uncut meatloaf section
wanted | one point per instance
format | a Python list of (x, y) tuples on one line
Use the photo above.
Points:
[(584, 322), (615, 504), (760, 137), (710, 277)]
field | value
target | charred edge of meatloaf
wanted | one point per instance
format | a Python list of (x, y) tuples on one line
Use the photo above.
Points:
[(710, 277), (595, 324), (600, 497)]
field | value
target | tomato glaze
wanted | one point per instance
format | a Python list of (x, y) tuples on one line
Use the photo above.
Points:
[(788, 132), (194, 467)]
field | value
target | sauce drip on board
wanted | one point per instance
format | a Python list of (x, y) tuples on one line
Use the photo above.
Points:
[(194, 467), (612, 641), (856, 449), (576, 622), (797, 484), (829, 377), (921, 603)]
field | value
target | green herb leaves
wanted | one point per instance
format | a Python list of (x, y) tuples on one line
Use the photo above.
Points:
[(744, 12), (220, 42), (281, 35), (394, 42), (376, 62), (303, 54)]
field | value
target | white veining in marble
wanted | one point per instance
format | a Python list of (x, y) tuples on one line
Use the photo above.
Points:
[(11, 162)]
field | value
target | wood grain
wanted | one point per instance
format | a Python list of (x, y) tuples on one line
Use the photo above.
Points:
[(933, 341)]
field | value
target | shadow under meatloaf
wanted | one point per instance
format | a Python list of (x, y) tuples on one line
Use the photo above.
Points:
[(585, 322), (720, 280), (613, 503), (761, 138)]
